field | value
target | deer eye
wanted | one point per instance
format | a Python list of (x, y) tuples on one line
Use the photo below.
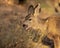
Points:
[(59, 4), (30, 19)]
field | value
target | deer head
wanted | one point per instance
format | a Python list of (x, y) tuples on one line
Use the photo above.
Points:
[(32, 20)]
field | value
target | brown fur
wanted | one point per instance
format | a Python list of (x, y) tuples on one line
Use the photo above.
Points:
[(54, 29), (50, 27)]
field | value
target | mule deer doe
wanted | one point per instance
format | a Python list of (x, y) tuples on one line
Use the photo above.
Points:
[(50, 26)]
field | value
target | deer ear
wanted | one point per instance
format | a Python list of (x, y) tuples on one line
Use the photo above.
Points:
[(37, 9), (31, 9)]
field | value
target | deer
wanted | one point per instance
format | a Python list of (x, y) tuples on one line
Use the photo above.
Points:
[(49, 26)]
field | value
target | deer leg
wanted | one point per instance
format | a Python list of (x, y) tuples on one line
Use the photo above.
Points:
[(57, 42)]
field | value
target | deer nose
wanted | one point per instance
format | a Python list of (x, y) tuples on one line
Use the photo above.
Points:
[(24, 25)]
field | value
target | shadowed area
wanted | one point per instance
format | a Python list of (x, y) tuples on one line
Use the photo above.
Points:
[(48, 42), (21, 1)]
